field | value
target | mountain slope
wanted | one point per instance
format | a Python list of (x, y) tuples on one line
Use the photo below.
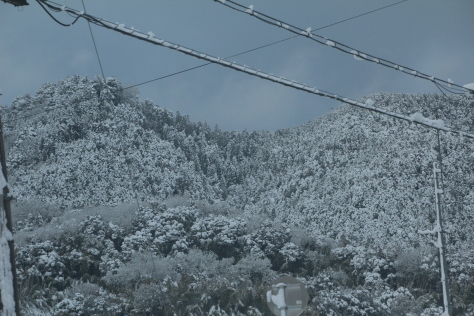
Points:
[(345, 195), (350, 173)]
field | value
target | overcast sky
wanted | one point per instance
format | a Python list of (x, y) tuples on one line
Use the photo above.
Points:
[(433, 36)]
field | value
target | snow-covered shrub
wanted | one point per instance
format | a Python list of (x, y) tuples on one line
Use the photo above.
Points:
[(99, 244), (385, 298), (149, 299), (461, 279), (88, 299), (327, 280), (289, 257), (416, 268), (30, 223), (42, 263), (31, 310), (70, 306), (253, 269), (201, 264), (160, 231), (267, 241), (405, 305), (219, 234), (345, 302), (432, 311), (33, 214), (144, 268)]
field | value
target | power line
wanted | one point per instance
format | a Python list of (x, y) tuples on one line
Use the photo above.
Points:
[(359, 55), (264, 46), (121, 140), (57, 21), (93, 40), (357, 16), (150, 38), (203, 65)]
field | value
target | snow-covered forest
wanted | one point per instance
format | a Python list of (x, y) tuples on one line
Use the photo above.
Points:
[(125, 208)]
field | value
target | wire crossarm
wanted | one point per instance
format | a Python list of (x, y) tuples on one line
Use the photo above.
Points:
[(150, 37)]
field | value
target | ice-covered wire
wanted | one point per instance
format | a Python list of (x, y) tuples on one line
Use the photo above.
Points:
[(206, 64), (251, 50), (56, 20), (150, 38), (440, 88), (308, 33)]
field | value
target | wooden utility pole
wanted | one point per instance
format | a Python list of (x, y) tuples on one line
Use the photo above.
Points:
[(8, 216), (441, 241), (438, 230)]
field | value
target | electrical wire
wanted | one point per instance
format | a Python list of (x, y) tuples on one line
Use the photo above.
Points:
[(357, 16), (127, 166), (203, 65), (150, 38), (308, 33), (206, 64), (57, 21), (266, 45), (93, 40), (250, 50)]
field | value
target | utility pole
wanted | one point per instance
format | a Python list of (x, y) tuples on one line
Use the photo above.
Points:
[(441, 241), (8, 275)]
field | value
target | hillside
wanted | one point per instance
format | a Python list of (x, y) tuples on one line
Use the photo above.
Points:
[(356, 184)]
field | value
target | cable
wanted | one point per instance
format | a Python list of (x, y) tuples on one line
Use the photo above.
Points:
[(57, 21), (189, 69), (93, 40), (357, 16), (308, 33), (121, 145), (264, 46), (247, 51), (150, 38)]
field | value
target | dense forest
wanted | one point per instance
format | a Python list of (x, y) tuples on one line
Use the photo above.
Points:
[(125, 208)]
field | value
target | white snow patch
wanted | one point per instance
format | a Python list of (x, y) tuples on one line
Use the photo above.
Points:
[(356, 55), (418, 117), (470, 86), (3, 182), (250, 9), (6, 279), (369, 102), (307, 32), (330, 43)]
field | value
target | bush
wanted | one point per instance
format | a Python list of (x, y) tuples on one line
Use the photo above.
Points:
[(144, 268), (219, 234)]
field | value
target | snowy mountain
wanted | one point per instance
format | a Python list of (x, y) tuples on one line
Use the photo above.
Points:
[(356, 183)]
